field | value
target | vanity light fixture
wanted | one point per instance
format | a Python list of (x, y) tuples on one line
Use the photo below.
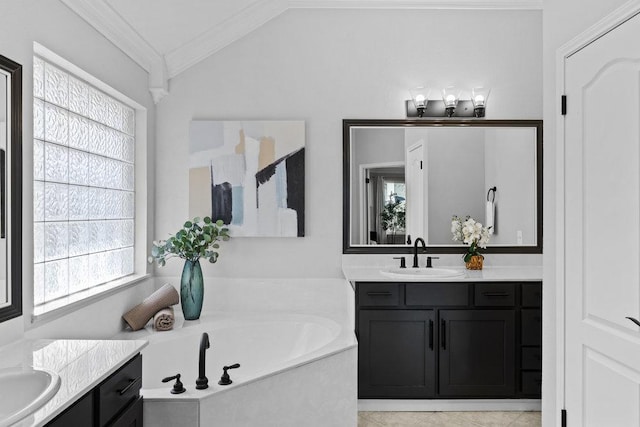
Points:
[(479, 96), (450, 97), (420, 98), (450, 105)]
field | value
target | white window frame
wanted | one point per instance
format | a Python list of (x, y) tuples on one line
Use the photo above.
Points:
[(80, 299)]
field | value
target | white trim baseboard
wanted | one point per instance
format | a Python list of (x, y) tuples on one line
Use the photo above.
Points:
[(451, 405)]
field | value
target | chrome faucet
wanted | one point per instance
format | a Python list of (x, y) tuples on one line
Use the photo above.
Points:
[(415, 250), (202, 382)]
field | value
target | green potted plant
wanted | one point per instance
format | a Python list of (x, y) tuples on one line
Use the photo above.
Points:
[(196, 239), (393, 217)]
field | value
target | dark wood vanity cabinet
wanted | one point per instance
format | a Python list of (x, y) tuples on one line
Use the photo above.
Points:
[(400, 354), (477, 353), (448, 340), (116, 402)]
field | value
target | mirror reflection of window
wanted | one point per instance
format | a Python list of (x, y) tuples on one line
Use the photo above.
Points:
[(392, 212)]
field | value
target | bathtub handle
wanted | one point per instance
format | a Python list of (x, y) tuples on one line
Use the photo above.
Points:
[(225, 379), (178, 387), (129, 386)]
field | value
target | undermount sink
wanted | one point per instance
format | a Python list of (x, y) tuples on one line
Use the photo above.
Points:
[(423, 273), (24, 390)]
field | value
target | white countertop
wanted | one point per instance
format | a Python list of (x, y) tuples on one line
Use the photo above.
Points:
[(525, 273), (81, 365)]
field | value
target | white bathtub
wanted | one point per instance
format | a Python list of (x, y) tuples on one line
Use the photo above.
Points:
[(262, 345), (295, 369)]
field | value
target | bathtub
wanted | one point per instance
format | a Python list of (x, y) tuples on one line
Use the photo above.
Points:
[(262, 345), (295, 369)]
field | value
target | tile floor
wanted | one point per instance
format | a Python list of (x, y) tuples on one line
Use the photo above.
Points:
[(449, 419)]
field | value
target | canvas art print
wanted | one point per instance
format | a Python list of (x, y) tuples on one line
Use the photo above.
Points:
[(249, 174)]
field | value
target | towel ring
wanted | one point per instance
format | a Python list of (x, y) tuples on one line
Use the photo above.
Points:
[(494, 189)]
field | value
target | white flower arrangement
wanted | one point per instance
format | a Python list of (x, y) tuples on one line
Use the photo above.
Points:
[(470, 232)]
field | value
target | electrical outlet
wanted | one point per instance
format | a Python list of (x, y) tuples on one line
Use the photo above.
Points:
[(519, 237)]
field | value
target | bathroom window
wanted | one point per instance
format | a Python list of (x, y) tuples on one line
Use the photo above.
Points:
[(84, 185)]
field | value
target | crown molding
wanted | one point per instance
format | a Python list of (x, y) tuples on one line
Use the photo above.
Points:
[(223, 34), (111, 25), (416, 4)]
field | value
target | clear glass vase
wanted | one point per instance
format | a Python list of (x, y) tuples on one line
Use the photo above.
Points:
[(191, 290)]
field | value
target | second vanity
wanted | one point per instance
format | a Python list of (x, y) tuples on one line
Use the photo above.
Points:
[(99, 380), (478, 335)]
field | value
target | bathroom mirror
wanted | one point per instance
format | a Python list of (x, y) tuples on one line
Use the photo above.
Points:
[(10, 189), (405, 179)]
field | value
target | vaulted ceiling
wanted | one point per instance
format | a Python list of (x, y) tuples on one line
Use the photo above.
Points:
[(166, 37)]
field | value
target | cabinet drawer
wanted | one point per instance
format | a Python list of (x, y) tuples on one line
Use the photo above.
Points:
[(119, 390), (495, 294), (531, 383), (531, 358), (441, 294), (531, 327), (531, 295), (378, 294)]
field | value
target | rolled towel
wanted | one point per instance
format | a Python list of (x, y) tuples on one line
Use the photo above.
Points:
[(139, 315), (164, 319)]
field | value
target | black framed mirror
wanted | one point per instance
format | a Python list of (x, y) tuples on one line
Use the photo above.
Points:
[(404, 179), (10, 189)]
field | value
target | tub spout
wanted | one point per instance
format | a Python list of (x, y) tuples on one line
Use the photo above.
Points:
[(202, 382)]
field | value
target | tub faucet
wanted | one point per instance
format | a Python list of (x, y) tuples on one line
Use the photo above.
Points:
[(415, 250), (202, 382)]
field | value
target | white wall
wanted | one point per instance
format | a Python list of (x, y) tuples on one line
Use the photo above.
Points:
[(510, 166), (322, 66), (53, 25), (563, 20), (457, 190)]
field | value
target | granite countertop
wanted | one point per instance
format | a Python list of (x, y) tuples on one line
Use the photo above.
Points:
[(526, 273), (81, 365)]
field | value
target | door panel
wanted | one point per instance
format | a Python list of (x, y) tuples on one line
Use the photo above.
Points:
[(611, 197), (602, 229), (602, 407), (415, 191), (477, 353), (396, 356)]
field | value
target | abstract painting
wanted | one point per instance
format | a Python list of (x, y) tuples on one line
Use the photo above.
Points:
[(249, 174)]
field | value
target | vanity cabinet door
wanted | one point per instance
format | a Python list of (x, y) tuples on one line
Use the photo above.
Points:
[(477, 353), (78, 414), (132, 417), (396, 356)]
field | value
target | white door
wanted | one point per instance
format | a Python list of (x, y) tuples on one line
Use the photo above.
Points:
[(415, 223), (602, 230)]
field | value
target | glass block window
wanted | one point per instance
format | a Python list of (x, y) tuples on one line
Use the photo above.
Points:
[(84, 176)]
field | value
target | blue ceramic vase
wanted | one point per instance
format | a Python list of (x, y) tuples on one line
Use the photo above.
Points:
[(191, 290)]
